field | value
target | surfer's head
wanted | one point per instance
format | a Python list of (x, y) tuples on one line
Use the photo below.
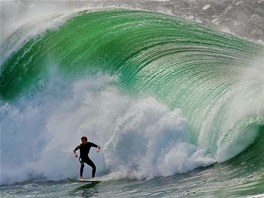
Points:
[(84, 139)]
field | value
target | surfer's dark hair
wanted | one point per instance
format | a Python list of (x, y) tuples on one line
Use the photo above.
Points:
[(84, 138)]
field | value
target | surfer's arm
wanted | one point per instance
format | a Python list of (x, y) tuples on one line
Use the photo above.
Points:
[(74, 151), (96, 146)]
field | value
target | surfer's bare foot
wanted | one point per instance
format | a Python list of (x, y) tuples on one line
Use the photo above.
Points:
[(81, 178)]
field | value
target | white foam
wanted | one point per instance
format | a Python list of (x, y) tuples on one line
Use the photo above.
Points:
[(151, 141), (140, 137), (206, 7)]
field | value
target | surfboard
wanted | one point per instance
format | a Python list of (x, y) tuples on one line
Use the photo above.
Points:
[(84, 183), (94, 181)]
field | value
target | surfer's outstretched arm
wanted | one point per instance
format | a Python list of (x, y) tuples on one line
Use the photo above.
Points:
[(95, 145)]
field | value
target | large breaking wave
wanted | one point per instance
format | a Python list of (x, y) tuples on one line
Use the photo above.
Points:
[(160, 94)]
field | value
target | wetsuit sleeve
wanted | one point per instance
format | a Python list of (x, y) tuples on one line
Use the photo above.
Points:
[(93, 145), (77, 147)]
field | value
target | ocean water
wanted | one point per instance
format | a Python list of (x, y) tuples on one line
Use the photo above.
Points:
[(175, 103)]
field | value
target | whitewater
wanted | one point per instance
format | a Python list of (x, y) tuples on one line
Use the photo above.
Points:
[(174, 99)]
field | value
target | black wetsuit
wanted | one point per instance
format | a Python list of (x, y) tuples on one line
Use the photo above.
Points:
[(84, 151)]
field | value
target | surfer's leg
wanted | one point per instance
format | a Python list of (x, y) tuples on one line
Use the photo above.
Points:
[(90, 163), (81, 169)]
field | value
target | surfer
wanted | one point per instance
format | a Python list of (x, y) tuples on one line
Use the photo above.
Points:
[(84, 158)]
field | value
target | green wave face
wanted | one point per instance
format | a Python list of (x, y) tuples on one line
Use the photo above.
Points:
[(207, 74)]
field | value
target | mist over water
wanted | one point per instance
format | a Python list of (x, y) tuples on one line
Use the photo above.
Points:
[(159, 101)]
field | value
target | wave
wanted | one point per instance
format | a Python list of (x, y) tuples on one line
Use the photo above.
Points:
[(176, 89)]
